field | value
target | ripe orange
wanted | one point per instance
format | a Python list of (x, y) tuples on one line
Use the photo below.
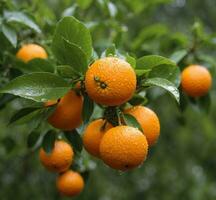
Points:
[(148, 121), (30, 51), (110, 81), (123, 147), (60, 158), (67, 115), (196, 80), (93, 134), (70, 183)]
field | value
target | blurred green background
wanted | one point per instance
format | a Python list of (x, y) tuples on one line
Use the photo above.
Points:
[(182, 164)]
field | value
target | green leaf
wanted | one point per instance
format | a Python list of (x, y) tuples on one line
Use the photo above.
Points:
[(22, 18), (21, 113), (38, 117), (40, 65), (169, 72), (137, 100), (110, 51), (160, 67), (49, 141), (70, 54), (84, 4), (130, 120), (40, 86), (66, 71), (165, 84), (34, 65), (10, 34), (46, 112), (131, 60), (149, 62), (178, 55), (88, 108), (32, 139), (74, 138), (75, 32)]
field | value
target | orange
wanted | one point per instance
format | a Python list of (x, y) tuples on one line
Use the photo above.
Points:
[(110, 81), (123, 147), (60, 159), (68, 113), (196, 80), (30, 51), (148, 121), (93, 134), (70, 183)]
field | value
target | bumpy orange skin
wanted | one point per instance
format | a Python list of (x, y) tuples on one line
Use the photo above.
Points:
[(117, 77), (92, 136), (148, 121), (60, 158), (70, 183), (67, 115), (123, 148), (30, 51), (196, 81)]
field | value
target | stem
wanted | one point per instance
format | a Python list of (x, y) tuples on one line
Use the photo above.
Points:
[(119, 113), (104, 126)]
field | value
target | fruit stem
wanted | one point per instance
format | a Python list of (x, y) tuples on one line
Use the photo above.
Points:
[(119, 113), (104, 126)]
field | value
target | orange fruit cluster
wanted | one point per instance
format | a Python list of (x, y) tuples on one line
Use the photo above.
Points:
[(108, 81), (111, 82), (69, 183), (123, 147)]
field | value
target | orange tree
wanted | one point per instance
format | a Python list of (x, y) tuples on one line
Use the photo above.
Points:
[(64, 86), (109, 83), (114, 82)]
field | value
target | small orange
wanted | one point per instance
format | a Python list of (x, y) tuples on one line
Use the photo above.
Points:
[(93, 134), (148, 121), (60, 159), (30, 51), (123, 147), (110, 81), (68, 113), (70, 183), (196, 80)]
